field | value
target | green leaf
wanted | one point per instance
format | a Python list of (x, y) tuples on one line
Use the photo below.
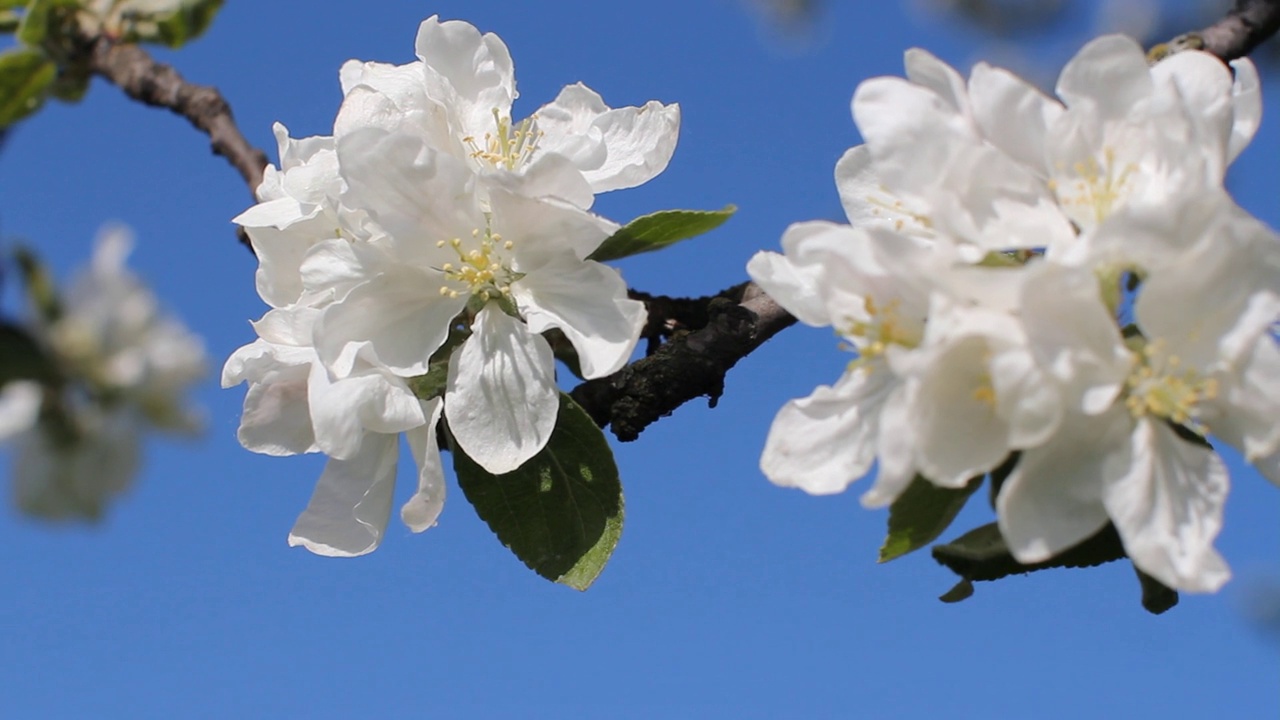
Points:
[(40, 287), (432, 384), (71, 83), (187, 23), (921, 513), (981, 554), (21, 357), (560, 512), (36, 21), (658, 230), (25, 77)]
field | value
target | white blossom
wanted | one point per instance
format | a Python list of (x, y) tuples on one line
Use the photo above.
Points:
[(433, 236), (1085, 290), (457, 99), (121, 366)]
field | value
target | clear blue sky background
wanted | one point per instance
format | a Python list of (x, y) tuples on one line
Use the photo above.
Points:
[(727, 597)]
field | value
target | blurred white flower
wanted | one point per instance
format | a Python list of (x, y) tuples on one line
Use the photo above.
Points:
[(121, 366)]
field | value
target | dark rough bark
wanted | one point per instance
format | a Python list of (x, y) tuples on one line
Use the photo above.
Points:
[(690, 365)]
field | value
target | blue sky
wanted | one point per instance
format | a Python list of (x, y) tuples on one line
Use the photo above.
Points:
[(727, 597)]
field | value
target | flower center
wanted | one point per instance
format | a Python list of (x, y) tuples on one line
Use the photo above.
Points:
[(509, 146), (1098, 187), (1159, 386), (482, 269), (883, 328)]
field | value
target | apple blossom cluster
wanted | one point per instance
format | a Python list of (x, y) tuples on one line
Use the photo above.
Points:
[(1065, 279), (119, 365), (413, 261)]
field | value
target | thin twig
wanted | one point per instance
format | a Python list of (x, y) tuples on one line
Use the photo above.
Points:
[(1247, 25), (135, 72)]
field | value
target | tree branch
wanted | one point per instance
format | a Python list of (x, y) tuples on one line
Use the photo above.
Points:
[(1246, 26), (134, 71), (690, 365)]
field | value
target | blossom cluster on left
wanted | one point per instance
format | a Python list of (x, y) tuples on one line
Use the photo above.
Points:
[(86, 373), (416, 262)]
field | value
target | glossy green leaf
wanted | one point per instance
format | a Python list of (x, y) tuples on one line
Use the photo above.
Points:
[(921, 513), (561, 512), (658, 230), (981, 554), (25, 77)]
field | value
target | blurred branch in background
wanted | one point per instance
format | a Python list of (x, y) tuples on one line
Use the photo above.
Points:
[(1015, 24), (1003, 18)]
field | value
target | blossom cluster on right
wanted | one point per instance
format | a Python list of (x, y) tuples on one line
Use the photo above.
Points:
[(1065, 279)]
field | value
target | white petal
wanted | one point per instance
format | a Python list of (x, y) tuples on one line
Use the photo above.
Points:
[(467, 69), (349, 509), (949, 399), (421, 511), (256, 360), (401, 315), (1269, 466), (566, 124), (1026, 397), (288, 327), (1248, 402), (1110, 73), (640, 142), (895, 448), (1013, 114), (334, 265), (502, 399), (278, 213), (280, 253), (1247, 115), (19, 407), (547, 176), (588, 302), (277, 415), (543, 230), (912, 133), (1168, 509), (824, 442), (416, 193), (797, 279), (1074, 336), (345, 410), (1053, 498), (925, 69)]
